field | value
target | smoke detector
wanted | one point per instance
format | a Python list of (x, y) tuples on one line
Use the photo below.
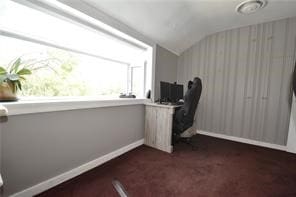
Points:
[(250, 6)]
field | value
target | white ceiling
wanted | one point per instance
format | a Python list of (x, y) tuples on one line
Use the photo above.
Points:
[(178, 24)]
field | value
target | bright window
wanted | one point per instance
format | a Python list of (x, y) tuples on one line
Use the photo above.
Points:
[(76, 60)]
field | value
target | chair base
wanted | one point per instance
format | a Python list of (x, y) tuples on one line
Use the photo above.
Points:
[(186, 140), (189, 142)]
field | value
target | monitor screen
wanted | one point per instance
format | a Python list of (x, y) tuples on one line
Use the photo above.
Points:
[(165, 91), (176, 92), (170, 92)]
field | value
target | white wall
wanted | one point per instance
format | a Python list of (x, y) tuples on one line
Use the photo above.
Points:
[(85, 8)]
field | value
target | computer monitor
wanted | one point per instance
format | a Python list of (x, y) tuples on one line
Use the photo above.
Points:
[(170, 92), (176, 92), (165, 91)]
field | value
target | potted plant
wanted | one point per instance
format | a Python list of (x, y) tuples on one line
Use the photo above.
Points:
[(12, 77)]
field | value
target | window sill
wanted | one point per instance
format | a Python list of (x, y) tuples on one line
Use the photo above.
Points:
[(41, 106)]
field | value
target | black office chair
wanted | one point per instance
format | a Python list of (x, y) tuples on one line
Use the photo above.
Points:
[(184, 117)]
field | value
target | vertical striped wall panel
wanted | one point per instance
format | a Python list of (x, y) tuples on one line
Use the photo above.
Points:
[(246, 74)]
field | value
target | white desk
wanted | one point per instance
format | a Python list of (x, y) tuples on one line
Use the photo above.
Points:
[(158, 126)]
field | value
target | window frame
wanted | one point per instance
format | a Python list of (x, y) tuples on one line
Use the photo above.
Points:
[(73, 18)]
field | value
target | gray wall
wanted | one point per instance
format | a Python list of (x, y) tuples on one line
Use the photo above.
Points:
[(246, 75), (36, 147), (165, 68)]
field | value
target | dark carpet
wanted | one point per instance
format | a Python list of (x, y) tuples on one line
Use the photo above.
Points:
[(217, 168)]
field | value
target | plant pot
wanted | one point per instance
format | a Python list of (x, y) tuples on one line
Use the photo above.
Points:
[(6, 92)]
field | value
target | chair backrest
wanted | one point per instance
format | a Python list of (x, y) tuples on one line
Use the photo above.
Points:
[(191, 100)]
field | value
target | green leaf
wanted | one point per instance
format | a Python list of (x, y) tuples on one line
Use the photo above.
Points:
[(15, 65), (2, 70), (24, 71), (19, 85), (22, 78), (3, 78), (13, 77)]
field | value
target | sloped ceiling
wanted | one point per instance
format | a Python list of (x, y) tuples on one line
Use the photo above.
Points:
[(178, 24)]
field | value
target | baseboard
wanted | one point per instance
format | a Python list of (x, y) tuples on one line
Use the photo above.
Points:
[(243, 140), (43, 186)]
